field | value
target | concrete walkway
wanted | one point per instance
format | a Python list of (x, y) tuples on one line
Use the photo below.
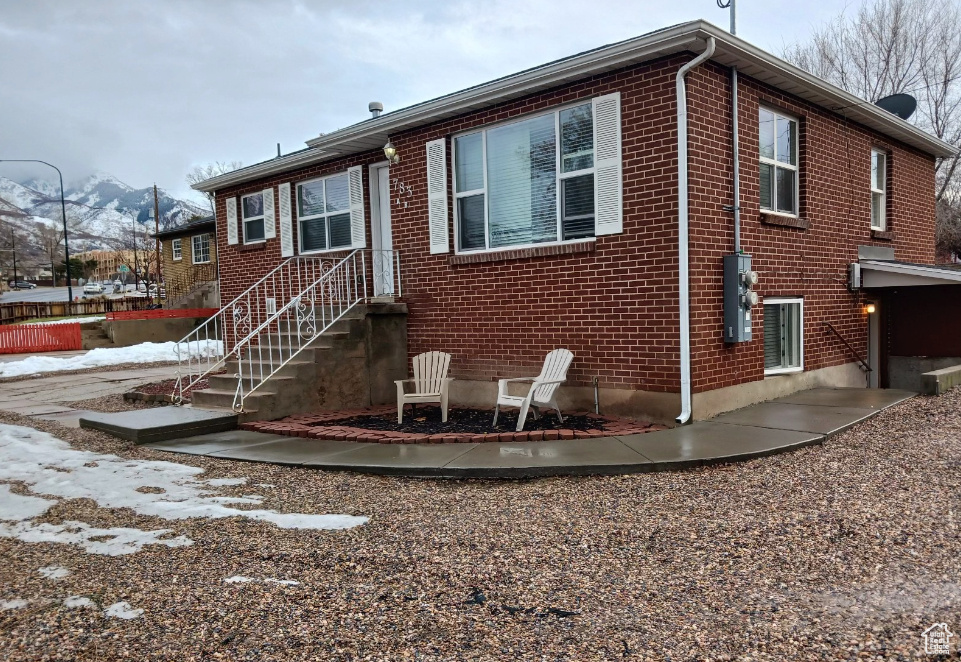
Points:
[(805, 418), (44, 397)]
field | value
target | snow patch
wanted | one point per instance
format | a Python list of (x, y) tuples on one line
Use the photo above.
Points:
[(19, 603), (48, 466), (285, 582), (238, 579), (122, 610), (77, 602), (218, 482), (147, 352), (71, 320), (54, 572)]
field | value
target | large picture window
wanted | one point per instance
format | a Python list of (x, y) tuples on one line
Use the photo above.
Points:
[(252, 208), (778, 136), (527, 182), (879, 168), (201, 248), (323, 214), (783, 335)]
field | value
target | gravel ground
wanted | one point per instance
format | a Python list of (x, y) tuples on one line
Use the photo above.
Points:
[(112, 403), (836, 552)]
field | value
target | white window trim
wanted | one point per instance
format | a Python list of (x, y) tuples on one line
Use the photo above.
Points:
[(770, 372), (882, 191), (193, 252), (483, 129), (176, 249), (244, 219), (787, 166), (326, 216)]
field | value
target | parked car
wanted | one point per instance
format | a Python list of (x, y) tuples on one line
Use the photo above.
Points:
[(21, 285), (142, 287), (93, 288)]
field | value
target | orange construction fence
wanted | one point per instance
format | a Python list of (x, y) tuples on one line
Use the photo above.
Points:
[(23, 338), (160, 313)]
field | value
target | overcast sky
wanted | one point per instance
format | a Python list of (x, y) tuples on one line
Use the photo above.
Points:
[(146, 90)]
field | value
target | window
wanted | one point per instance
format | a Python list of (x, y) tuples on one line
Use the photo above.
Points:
[(323, 214), (175, 248), (527, 182), (252, 208), (779, 162), (783, 335), (879, 169), (201, 248)]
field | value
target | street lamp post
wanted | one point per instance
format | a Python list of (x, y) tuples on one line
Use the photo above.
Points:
[(63, 210)]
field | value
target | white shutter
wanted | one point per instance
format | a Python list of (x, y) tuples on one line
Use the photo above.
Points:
[(607, 165), (437, 195), (286, 220), (269, 222), (231, 220), (355, 188)]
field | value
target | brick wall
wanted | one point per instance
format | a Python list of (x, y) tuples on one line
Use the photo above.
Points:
[(835, 205), (613, 301)]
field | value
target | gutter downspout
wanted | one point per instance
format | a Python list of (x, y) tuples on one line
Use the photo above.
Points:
[(683, 268)]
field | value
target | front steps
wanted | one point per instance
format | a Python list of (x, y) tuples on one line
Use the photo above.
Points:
[(350, 366)]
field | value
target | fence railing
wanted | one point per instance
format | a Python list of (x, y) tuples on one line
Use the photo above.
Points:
[(16, 339), (162, 313), (11, 313), (279, 339), (188, 280)]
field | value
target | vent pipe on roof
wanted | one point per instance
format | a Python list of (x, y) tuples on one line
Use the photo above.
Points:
[(683, 222), (375, 108)]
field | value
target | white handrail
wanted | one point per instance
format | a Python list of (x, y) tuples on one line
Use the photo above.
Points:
[(291, 329), (206, 347)]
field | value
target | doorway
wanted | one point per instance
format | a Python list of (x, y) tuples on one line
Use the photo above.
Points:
[(873, 308), (382, 253)]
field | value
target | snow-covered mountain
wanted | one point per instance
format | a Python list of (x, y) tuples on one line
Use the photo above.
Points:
[(100, 209)]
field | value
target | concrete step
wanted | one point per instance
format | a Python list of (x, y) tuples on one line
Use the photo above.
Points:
[(163, 423), (298, 366), (277, 352), (228, 382), (224, 398)]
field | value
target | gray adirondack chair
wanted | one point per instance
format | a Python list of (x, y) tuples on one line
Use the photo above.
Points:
[(543, 387), (430, 383)]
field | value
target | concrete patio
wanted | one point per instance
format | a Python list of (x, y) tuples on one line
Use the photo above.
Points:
[(802, 419)]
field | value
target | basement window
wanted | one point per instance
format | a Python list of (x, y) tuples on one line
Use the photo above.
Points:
[(252, 207), (783, 335), (778, 136)]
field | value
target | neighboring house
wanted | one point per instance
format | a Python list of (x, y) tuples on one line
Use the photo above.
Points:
[(547, 209), (189, 255)]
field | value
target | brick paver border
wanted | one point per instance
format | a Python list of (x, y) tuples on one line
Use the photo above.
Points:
[(323, 426)]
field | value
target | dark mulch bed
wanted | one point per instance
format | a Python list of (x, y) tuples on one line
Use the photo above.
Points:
[(467, 421), (166, 387)]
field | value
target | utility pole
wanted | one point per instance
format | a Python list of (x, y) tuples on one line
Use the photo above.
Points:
[(13, 241), (156, 216)]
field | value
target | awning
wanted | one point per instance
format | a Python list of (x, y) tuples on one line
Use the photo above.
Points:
[(891, 273)]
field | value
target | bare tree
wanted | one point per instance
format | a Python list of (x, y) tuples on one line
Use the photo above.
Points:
[(200, 173), (902, 46)]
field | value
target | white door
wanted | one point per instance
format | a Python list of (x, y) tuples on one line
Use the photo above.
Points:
[(383, 243)]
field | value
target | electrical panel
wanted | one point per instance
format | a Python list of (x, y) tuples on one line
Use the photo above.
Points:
[(739, 297)]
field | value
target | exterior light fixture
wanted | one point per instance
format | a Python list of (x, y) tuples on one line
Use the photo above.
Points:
[(870, 308), (391, 152)]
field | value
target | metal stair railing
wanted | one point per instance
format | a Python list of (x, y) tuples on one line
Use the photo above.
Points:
[(205, 349), (283, 336)]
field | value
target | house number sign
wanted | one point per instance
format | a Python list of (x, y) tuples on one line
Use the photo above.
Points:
[(403, 191)]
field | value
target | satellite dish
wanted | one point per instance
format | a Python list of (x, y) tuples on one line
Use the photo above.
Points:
[(902, 105)]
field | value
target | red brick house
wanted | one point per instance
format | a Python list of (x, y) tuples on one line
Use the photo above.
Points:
[(550, 208)]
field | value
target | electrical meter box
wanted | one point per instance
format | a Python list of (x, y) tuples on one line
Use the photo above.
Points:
[(739, 297)]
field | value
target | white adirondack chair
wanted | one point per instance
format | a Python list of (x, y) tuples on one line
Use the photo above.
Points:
[(541, 393), (431, 383)]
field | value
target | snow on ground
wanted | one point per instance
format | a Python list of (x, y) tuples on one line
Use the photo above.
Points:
[(18, 603), (240, 579), (122, 610), (71, 320), (77, 601), (54, 572), (148, 352), (49, 467)]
